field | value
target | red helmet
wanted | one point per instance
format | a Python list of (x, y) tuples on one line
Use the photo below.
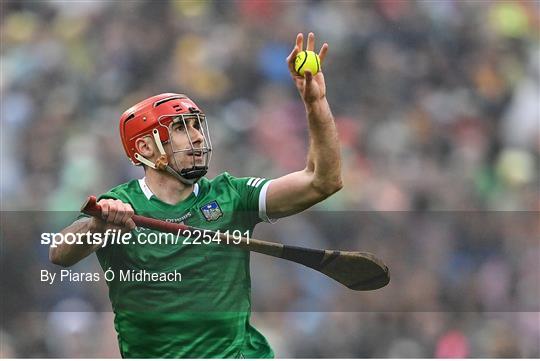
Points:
[(153, 117), (156, 112)]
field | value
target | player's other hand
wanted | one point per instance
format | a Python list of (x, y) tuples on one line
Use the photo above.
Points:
[(115, 214), (311, 87)]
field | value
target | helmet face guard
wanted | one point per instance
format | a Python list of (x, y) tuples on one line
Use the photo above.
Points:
[(155, 117), (196, 120)]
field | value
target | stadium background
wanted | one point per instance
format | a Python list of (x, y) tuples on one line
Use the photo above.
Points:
[(437, 107)]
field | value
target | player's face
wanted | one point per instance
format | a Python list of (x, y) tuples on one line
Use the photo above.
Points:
[(187, 142)]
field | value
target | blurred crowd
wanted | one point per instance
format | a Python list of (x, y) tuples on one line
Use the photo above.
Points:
[(437, 107)]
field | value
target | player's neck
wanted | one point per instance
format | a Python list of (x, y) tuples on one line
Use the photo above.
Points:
[(167, 188)]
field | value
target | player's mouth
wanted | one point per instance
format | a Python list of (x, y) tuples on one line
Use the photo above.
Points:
[(197, 156), (196, 153)]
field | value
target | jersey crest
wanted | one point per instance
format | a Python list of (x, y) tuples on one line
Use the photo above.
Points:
[(211, 211)]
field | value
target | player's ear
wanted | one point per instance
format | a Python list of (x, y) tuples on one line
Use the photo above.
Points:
[(145, 147)]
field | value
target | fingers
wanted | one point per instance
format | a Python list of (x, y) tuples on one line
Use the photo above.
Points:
[(291, 58), (117, 212), (322, 53), (104, 204), (308, 76), (130, 224), (310, 42), (309, 46), (299, 41), (128, 213)]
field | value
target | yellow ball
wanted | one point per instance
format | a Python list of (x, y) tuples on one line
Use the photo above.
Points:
[(307, 60)]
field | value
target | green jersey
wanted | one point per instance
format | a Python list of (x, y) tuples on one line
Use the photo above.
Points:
[(206, 313)]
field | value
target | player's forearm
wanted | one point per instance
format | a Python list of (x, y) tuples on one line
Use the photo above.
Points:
[(324, 158), (68, 254)]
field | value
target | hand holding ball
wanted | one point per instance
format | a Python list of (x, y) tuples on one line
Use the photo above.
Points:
[(307, 60)]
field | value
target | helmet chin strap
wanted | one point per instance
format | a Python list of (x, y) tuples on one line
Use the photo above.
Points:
[(187, 175)]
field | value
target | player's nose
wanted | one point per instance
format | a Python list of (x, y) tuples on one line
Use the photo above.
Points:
[(196, 135)]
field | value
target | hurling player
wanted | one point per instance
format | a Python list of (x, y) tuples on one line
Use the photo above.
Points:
[(207, 314)]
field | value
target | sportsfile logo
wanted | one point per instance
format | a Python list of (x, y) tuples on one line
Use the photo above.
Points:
[(110, 236), (116, 236)]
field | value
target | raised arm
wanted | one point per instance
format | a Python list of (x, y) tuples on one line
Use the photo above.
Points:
[(116, 215), (321, 178)]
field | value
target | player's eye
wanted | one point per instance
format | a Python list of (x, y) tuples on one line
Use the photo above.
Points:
[(201, 122), (179, 127)]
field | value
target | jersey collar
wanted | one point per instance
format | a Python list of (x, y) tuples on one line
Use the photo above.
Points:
[(148, 193)]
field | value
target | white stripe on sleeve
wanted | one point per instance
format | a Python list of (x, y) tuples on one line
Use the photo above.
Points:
[(259, 182), (262, 204)]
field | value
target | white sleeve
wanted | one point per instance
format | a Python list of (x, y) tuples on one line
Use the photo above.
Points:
[(262, 204)]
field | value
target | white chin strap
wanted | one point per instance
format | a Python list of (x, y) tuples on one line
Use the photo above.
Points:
[(162, 163)]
